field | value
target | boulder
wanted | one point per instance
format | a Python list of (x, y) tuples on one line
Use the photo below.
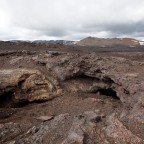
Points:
[(23, 85)]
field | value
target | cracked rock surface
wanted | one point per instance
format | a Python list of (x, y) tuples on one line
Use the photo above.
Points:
[(55, 97)]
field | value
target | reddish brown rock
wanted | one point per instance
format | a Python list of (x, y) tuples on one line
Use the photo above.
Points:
[(118, 133)]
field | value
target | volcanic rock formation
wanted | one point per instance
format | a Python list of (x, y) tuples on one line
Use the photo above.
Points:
[(88, 98)]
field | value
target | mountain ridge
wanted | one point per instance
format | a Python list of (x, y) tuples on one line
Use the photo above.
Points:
[(90, 41)]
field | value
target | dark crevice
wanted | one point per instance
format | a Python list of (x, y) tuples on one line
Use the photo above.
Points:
[(24, 103), (83, 77), (87, 139), (107, 80), (108, 92), (22, 80), (20, 104), (126, 92), (6, 99), (20, 83), (42, 63)]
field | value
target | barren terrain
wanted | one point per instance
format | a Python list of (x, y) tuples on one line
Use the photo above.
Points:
[(58, 94)]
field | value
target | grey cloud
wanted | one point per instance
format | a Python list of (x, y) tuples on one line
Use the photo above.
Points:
[(55, 32), (46, 19), (127, 28)]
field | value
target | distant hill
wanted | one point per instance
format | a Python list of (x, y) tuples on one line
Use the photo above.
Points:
[(103, 42), (54, 42)]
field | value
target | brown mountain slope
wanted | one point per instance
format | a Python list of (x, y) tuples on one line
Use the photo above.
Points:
[(92, 41)]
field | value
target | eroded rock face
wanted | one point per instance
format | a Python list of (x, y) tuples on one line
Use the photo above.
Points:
[(116, 76), (82, 129), (85, 128), (14, 129), (22, 85), (137, 112), (118, 133), (44, 132)]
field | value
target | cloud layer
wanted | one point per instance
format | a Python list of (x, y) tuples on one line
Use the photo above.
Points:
[(71, 20)]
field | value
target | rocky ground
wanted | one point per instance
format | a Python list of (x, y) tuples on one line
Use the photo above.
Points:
[(71, 97)]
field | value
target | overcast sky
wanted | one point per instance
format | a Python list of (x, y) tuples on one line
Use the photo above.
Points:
[(71, 19)]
